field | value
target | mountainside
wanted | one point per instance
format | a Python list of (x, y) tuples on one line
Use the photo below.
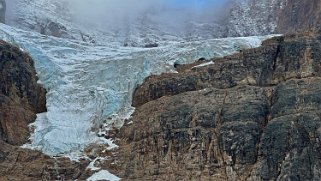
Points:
[(90, 92), (253, 17), (90, 85), (237, 18), (240, 18), (250, 116), (150, 98)]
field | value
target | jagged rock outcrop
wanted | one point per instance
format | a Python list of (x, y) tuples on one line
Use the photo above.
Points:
[(254, 115), (2, 11), (20, 99)]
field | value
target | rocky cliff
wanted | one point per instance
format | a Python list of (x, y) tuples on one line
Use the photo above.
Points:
[(299, 15), (254, 115), (21, 96)]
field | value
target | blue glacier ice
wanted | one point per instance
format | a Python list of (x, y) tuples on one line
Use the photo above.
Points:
[(89, 85)]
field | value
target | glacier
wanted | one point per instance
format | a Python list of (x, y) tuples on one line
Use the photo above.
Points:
[(90, 85)]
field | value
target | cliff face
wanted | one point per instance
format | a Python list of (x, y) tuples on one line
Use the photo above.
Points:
[(299, 15), (20, 97), (254, 115)]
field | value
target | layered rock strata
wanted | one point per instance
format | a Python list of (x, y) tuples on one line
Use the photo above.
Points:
[(254, 115)]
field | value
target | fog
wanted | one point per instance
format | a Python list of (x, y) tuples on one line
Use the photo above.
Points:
[(167, 14), (128, 17)]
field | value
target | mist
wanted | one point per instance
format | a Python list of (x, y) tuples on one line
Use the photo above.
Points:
[(145, 19), (167, 15)]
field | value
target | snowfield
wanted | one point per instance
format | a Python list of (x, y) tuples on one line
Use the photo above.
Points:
[(89, 86)]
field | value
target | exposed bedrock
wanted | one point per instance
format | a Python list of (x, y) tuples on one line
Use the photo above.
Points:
[(20, 97), (254, 115)]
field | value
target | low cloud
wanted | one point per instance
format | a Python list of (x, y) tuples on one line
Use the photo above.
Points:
[(109, 13)]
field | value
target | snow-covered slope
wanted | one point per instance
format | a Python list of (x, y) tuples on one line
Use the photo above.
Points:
[(253, 17), (60, 18), (90, 85), (158, 25)]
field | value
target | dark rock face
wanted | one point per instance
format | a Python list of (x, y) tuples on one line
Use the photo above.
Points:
[(298, 15), (2, 11), (250, 116), (20, 97)]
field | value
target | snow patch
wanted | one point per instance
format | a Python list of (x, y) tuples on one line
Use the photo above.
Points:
[(92, 166), (103, 174), (111, 144), (204, 64)]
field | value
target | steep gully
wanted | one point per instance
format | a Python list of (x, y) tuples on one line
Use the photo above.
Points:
[(249, 116)]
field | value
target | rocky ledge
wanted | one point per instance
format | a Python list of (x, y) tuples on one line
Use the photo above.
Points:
[(254, 115)]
